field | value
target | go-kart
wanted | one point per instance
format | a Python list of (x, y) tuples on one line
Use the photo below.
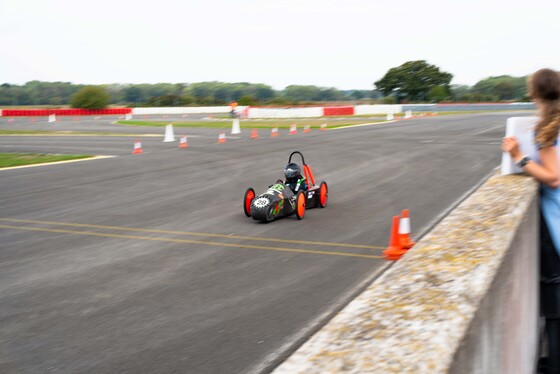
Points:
[(280, 201)]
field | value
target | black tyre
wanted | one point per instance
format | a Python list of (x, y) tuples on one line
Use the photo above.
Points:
[(323, 194), (300, 205), (247, 200)]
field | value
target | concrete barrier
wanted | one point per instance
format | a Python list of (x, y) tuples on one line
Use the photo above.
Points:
[(185, 110), (378, 109), (285, 112), (463, 300)]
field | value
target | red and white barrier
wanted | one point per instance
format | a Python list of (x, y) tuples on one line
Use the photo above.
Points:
[(63, 112)]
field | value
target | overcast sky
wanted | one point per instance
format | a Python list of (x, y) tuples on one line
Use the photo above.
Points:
[(347, 44)]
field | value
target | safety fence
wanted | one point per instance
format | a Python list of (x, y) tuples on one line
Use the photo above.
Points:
[(259, 112), (63, 112), (186, 110)]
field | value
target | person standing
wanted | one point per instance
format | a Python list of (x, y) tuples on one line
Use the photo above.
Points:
[(544, 89), (233, 107)]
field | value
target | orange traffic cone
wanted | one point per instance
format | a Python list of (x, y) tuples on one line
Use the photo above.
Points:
[(222, 137), (404, 230), (293, 129), (255, 134), (183, 142), (137, 147), (274, 131), (324, 126), (394, 251), (306, 128)]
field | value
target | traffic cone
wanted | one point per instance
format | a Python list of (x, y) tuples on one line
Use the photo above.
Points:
[(274, 131), (52, 118), (137, 147), (169, 135), (235, 127), (394, 251), (255, 134), (306, 128), (390, 117), (293, 129), (183, 142), (222, 137), (324, 126), (404, 230), (408, 114)]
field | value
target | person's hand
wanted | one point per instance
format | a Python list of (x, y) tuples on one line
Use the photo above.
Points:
[(511, 146)]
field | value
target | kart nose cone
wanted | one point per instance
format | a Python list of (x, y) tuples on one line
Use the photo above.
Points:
[(260, 209)]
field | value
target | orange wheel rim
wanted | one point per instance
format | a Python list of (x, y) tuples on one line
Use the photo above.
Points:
[(248, 200), (301, 205), (323, 195)]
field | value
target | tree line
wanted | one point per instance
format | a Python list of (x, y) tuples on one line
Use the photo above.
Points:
[(414, 81), (177, 94), (419, 81)]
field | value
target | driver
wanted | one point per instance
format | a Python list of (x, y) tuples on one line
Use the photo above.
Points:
[(294, 179)]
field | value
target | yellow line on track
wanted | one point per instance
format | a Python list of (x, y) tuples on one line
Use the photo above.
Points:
[(324, 244), (245, 246)]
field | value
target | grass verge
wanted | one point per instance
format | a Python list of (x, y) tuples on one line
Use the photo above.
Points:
[(20, 159), (252, 124)]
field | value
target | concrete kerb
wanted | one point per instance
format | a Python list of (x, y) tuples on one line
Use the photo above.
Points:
[(442, 298)]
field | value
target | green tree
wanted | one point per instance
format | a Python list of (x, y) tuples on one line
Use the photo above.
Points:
[(133, 94), (504, 87), (413, 80), (90, 97), (437, 94), (247, 100), (302, 93)]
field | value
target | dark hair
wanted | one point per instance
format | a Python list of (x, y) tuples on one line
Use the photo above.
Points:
[(544, 86)]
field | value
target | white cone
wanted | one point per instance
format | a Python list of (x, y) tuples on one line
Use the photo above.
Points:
[(128, 117), (390, 117), (235, 127), (169, 137), (52, 118), (408, 114)]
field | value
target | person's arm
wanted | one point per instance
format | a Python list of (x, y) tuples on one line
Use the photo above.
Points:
[(547, 172)]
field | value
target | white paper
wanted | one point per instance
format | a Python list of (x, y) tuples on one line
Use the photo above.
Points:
[(523, 128)]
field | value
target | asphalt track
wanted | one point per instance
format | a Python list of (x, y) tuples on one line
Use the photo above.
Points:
[(146, 263)]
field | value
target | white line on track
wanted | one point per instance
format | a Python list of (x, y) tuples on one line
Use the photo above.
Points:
[(361, 125), (56, 162)]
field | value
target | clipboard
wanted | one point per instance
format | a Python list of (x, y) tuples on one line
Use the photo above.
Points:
[(523, 128)]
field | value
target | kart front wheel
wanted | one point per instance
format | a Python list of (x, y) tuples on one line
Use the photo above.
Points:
[(247, 200), (323, 194), (300, 205)]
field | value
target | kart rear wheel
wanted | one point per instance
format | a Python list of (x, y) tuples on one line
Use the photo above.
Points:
[(323, 194), (300, 205), (247, 200)]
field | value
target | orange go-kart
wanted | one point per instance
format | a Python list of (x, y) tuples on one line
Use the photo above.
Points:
[(280, 201)]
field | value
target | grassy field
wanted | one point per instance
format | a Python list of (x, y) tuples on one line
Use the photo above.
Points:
[(20, 159), (62, 133), (252, 124)]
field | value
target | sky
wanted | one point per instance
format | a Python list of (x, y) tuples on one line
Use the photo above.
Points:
[(346, 44)]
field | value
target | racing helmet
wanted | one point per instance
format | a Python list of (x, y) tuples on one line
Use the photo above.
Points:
[(292, 172)]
